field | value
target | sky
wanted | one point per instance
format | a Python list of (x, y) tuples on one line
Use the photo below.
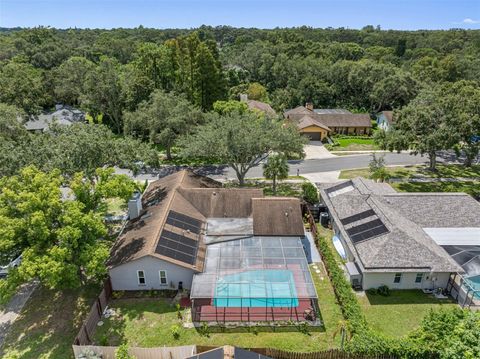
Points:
[(354, 14)]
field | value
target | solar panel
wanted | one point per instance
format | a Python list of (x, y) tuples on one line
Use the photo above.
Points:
[(176, 246), (339, 186), (367, 230), (246, 354), (184, 222), (358, 216), (212, 354)]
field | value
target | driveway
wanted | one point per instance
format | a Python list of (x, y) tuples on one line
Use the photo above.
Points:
[(14, 307), (316, 150)]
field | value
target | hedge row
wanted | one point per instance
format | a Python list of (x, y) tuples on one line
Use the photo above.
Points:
[(364, 339)]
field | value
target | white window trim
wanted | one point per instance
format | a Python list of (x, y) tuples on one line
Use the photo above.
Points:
[(417, 275), (395, 276), (160, 277), (144, 277)]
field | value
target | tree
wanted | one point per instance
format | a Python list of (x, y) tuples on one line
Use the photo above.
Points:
[(22, 85), (275, 169), (309, 192), (10, 126), (223, 107), (241, 140), (61, 243), (103, 93), (70, 78), (92, 193), (422, 126), (377, 168), (162, 119), (208, 78)]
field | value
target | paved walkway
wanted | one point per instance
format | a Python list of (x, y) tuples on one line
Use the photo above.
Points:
[(13, 309), (322, 177), (316, 150)]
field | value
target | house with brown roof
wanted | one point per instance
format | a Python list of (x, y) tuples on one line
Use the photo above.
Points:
[(317, 124), (233, 250), (258, 106)]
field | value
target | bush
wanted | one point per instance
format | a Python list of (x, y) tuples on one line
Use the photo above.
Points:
[(309, 192), (371, 291), (175, 330), (122, 352), (383, 290)]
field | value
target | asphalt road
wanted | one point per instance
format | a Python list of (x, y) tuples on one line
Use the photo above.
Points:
[(304, 166)]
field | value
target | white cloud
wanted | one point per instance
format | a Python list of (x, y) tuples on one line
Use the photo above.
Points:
[(470, 21)]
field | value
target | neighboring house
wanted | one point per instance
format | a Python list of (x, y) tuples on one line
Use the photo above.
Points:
[(403, 240), (317, 124), (189, 233), (385, 120), (258, 105), (63, 115)]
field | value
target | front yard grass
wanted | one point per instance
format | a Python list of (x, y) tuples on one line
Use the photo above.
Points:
[(147, 322), (48, 324), (354, 144), (470, 187), (401, 312)]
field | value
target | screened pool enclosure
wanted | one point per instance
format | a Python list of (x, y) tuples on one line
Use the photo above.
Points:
[(254, 279)]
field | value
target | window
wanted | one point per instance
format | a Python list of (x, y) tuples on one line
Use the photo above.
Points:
[(163, 277), (141, 277), (418, 278), (398, 278)]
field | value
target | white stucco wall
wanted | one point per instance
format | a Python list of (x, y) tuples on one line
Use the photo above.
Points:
[(375, 280), (124, 277)]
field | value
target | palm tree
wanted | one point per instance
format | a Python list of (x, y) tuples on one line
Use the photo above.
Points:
[(275, 169)]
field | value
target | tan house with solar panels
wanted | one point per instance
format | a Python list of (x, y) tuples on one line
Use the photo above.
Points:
[(317, 124)]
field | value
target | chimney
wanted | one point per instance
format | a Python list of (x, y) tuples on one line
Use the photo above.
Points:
[(309, 106), (135, 205), (243, 97)]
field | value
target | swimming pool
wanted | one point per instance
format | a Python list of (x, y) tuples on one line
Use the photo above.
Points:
[(256, 288), (475, 284)]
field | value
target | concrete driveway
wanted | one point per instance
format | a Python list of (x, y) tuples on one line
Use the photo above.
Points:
[(316, 150)]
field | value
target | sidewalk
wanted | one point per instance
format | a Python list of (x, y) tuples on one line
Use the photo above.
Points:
[(13, 309)]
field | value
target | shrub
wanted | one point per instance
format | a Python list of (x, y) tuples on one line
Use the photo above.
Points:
[(175, 330), (383, 290), (122, 352), (309, 192), (371, 291)]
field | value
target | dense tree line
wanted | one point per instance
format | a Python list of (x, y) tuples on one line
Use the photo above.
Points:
[(109, 71)]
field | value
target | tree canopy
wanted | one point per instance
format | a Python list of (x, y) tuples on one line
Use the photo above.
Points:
[(241, 140)]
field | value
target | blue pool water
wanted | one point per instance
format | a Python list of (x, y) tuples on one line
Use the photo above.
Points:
[(257, 288), (475, 283)]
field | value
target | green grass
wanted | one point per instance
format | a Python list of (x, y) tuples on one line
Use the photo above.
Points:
[(353, 144), (147, 322), (397, 172), (471, 187), (48, 324), (401, 312)]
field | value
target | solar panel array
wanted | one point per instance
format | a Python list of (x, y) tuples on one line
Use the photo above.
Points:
[(339, 186), (358, 217), (212, 354), (177, 246), (367, 230), (184, 222)]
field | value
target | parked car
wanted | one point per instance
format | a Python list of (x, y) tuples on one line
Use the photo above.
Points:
[(13, 264)]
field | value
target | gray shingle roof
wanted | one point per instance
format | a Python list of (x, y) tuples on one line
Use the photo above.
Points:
[(64, 115), (330, 118), (406, 246)]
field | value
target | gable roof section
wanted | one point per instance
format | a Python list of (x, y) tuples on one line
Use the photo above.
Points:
[(406, 246), (276, 216), (176, 209), (261, 106), (307, 121), (328, 118)]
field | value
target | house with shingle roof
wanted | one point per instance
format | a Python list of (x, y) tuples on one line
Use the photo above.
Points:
[(258, 105), (317, 124), (403, 240), (63, 115), (385, 120)]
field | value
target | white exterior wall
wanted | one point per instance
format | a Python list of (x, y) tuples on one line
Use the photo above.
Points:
[(124, 277), (375, 280)]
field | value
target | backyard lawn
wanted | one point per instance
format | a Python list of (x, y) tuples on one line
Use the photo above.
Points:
[(147, 322), (401, 312), (48, 324)]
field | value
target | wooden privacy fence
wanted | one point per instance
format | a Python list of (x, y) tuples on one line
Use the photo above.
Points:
[(327, 354), (311, 221), (84, 336), (180, 352)]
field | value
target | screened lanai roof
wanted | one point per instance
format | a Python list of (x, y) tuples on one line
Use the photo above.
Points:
[(255, 267)]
